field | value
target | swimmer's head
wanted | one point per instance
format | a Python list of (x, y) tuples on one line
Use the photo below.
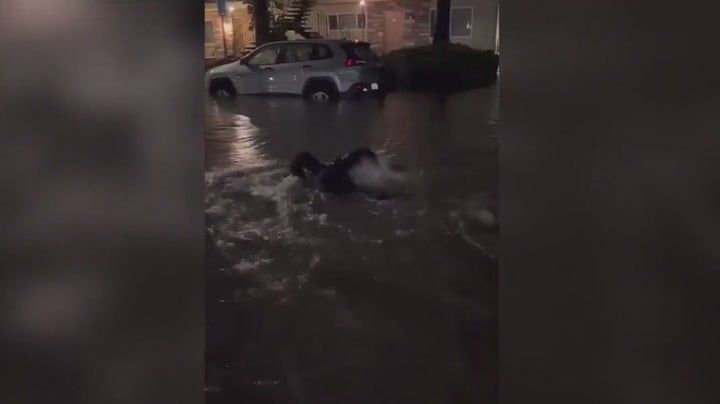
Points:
[(305, 164)]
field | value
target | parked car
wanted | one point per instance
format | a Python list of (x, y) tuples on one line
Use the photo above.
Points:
[(319, 70)]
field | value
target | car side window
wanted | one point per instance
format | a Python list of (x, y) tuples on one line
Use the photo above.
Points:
[(295, 53), (266, 56), (320, 52)]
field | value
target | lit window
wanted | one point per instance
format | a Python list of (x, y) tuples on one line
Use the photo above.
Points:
[(338, 22), (347, 21), (461, 22)]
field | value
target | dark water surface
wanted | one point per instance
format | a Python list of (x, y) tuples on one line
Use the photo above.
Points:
[(316, 299)]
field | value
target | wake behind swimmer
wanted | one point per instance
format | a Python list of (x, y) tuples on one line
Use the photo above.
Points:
[(359, 170)]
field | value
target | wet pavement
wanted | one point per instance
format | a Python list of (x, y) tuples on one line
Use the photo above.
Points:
[(318, 299)]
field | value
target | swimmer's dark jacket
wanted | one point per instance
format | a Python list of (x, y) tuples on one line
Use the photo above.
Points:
[(332, 178)]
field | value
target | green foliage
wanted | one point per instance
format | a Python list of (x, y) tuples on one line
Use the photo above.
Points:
[(269, 4), (282, 19), (279, 26), (441, 68)]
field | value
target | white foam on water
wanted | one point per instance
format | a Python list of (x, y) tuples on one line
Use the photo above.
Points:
[(404, 233), (218, 207), (239, 193), (477, 208), (212, 177), (266, 229), (315, 260), (319, 218), (247, 181), (484, 216), (277, 285), (302, 280), (269, 188), (378, 177), (464, 234), (247, 266), (215, 210)]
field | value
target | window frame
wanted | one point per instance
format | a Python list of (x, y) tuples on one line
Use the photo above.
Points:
[(472, 21), (283, 50), (337, 18), (214, 39)]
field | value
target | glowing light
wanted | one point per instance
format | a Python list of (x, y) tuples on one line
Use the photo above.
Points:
[(231, 8), (362, 3)]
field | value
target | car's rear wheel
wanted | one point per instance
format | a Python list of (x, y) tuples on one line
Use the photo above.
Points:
[(222, 88), (321, 92)]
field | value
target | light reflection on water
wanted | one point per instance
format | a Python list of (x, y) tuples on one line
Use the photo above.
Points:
[(238, 135)]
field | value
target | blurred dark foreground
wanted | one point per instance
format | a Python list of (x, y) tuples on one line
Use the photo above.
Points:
[(102, 202)]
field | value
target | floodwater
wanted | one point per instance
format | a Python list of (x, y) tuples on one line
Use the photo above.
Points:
[(318, 299)]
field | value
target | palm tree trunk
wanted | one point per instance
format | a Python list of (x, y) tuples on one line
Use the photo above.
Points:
[(442, 22), (261, 17)]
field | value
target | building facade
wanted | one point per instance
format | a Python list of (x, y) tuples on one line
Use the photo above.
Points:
[(386, 24), (393, 24), (237, 26)]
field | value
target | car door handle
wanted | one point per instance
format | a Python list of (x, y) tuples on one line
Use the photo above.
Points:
[(307, 67), (267, 68)]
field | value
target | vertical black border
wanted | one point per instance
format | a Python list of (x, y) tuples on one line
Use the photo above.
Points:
[(609, 202)]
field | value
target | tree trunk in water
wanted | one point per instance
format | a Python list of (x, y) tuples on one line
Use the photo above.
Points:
[(442, 22), (261, 17)]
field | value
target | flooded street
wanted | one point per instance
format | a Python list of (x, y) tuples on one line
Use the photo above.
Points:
[(318, 299)]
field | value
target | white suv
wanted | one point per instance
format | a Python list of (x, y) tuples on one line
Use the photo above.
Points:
[(319, 70)]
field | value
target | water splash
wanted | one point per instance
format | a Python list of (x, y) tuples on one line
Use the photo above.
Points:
[(379, 178)]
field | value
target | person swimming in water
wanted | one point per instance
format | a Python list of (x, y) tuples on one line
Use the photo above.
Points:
[(339, 177)]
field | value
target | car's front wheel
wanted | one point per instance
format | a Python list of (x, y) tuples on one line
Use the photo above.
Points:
[(321, 92), (221, 88)]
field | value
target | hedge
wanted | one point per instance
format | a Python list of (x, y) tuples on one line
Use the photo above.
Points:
[(441, 68)]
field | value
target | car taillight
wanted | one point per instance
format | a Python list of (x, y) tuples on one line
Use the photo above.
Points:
[(350, 62)]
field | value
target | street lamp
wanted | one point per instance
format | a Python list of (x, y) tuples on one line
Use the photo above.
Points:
[(364, 14)]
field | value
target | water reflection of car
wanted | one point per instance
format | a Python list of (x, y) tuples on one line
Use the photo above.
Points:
[(319, 70)]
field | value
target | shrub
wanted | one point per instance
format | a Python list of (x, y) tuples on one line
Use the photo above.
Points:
[(441, 68)]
